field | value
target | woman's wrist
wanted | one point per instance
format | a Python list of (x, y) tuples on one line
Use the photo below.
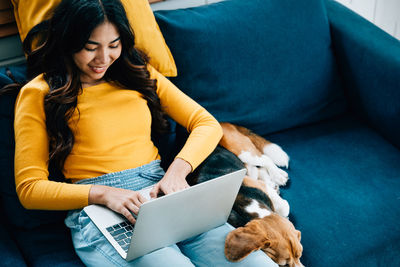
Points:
[(96, 194), (179, 168)]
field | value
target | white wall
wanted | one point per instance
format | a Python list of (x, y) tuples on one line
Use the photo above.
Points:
[(173, 4), (384, 13)]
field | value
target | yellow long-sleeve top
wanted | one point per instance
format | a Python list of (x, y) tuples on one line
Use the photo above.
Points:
[(112, 133)]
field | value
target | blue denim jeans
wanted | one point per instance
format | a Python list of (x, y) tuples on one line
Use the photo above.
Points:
[(206, 249)]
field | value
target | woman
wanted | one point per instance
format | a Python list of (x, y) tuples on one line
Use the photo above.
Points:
[(89, 112)]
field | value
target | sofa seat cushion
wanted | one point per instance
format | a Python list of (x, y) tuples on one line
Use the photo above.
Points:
[(256, 62), (343, 193), (47, 245), (9, 253)]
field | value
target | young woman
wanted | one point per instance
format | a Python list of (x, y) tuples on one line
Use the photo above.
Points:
[(89, 111)]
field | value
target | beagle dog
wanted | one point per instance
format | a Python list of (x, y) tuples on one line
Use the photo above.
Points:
[(259, 214)]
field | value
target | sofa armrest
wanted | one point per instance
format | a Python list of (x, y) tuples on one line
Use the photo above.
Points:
[(369, 63)]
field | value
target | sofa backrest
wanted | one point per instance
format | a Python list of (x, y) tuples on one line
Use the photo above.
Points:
[(265, 65)]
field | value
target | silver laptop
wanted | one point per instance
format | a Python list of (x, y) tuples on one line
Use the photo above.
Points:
[(171, 218)]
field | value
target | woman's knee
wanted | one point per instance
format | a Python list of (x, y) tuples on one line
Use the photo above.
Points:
[(208, 249), (167, 256), (257, 258)]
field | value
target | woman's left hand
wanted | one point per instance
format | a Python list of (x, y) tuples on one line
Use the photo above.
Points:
[(174, 179)]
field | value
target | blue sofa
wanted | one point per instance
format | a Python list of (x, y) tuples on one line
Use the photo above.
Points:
[(309, 75)]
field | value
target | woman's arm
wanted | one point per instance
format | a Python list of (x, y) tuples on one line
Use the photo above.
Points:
[(34, 189), (205, 133)]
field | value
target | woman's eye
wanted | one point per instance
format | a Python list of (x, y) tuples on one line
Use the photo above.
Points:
[(114, 46), (90, 49)]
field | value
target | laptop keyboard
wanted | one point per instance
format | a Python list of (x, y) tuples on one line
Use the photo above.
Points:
[(122, 233)]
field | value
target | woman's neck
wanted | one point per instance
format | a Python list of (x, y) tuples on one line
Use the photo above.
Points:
[(92, 83)]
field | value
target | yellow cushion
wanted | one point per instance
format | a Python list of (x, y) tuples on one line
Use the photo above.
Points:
[(148, 36)]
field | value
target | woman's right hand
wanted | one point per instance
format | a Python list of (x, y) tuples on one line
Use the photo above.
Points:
[(119, 200)]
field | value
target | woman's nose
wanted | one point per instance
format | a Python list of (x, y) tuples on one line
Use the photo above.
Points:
[(102, 56)]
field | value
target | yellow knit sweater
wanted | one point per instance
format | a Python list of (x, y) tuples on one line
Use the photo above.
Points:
[(112, 133)]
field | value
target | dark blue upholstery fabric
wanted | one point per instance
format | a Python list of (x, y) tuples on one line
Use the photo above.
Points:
[(165, 143), (11, 207), (266, 65), (48, 245), (9, 253), (369, 61), (344, 193)]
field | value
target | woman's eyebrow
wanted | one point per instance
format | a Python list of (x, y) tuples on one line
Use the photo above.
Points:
[(117, 39), (96, 43)]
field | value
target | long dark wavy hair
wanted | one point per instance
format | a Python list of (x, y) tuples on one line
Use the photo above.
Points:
[(66, 33)]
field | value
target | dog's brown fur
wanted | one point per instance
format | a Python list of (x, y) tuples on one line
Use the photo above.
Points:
[(274, 234), (247, 181), (235, 141), (257, 140)]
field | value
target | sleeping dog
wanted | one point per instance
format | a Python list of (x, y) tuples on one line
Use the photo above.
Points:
[(259, 213)]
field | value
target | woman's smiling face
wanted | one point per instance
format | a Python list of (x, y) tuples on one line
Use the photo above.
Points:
[(100, 51)]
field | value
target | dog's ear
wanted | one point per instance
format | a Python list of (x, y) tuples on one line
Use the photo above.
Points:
[(298, 234), (242, 241)]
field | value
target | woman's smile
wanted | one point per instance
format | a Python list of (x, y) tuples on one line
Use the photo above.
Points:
[(98, 69)]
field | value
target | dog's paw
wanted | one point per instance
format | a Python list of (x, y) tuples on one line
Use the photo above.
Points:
[(250, 159), (264, 168), (250, 162), (283, 208), (264, 176), (277, 155), (252, 171), (278, 176)]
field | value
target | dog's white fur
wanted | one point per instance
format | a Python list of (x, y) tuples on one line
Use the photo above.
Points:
[(277, 155), (265, 168), (254, 207), (281, 205)]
